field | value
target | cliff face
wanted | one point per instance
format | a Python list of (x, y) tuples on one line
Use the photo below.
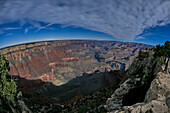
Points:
[(146, 88), (156, 98), (61, 61)]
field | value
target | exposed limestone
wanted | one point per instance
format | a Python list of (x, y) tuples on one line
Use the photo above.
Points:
[(155, 99), (34, 60), (115, 102), (138, 73), (160, 88)]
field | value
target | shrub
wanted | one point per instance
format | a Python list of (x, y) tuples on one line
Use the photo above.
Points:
[(143, 55), (161, 50), (167, 47), (8, 88)]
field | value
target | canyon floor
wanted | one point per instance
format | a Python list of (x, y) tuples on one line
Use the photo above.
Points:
[(59, 71)]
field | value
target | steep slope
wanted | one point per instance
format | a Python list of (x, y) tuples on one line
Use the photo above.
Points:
[(145, 88), (156, 99), (46, 92), (61, 61)]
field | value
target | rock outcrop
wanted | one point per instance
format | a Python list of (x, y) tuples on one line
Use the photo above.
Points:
[(146, 88), (13, 106), (155, 99)]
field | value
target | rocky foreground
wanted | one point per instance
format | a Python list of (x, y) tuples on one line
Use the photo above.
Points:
[(156, 100), (146, 90)]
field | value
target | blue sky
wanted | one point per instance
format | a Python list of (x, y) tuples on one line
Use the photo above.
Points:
[(154, 36), (143, 21), (14, 33)]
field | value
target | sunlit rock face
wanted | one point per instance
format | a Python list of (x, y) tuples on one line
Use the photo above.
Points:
[(61, 61), (145, 89)]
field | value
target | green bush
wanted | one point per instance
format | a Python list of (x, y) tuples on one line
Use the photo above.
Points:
[(8, 88), (161, 50), (142, 55), (167, 47)]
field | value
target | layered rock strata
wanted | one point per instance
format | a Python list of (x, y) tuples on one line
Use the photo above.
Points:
[(61, 61)]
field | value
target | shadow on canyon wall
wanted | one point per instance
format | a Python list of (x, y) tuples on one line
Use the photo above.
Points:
[(46, 92)]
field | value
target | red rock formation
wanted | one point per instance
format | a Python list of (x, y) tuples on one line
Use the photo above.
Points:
[(57, 64), (47, 78), (70, 59), (32, 61)]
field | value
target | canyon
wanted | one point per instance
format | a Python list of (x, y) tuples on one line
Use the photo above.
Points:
[(61, 61), (141, 87), (44, 70)]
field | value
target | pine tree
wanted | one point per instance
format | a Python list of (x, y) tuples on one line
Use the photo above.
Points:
[(8, 88), (167, 47), (167, 52)]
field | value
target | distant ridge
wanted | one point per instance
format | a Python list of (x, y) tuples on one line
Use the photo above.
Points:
[(27, 43)]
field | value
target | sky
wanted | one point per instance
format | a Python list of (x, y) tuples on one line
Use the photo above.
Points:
[(142, 21)]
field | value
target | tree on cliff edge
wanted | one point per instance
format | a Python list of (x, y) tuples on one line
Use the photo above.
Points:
[(167, 52), (8, 88), (163, 51)]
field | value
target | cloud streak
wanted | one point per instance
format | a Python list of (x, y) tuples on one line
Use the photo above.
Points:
[(11, 28), (123, 19)]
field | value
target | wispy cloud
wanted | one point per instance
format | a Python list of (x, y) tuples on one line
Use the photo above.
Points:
[(11, 28), (43, 27), (27, 29), (9, 34), (140, 37), (123, 19)]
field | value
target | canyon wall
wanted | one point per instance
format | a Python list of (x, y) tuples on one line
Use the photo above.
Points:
[(61, 61)]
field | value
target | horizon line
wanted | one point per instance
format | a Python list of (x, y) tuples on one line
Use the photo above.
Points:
[(29, 42)]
